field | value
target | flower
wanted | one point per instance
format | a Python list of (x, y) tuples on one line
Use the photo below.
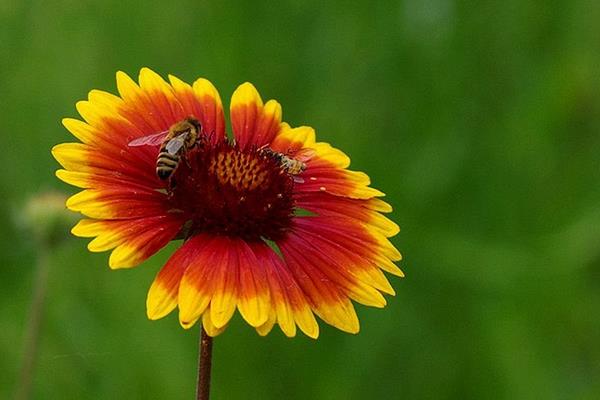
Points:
[(278, 243)]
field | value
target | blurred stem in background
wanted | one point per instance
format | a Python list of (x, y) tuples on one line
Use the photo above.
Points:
[(44, 219), (34, 323)]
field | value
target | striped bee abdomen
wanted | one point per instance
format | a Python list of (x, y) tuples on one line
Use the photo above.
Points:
[(166, 164)]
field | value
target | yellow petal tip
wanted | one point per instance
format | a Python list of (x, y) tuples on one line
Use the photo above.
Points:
[(121, 257), (246, 93), (187, 324)]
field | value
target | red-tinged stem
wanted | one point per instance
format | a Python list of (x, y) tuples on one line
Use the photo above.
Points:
[(204, 366)]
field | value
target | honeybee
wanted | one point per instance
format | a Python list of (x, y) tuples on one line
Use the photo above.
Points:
[(174, 143), (290, 165)]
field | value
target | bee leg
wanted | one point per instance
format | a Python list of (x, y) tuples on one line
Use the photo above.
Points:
[(172, 184), (187, 162)]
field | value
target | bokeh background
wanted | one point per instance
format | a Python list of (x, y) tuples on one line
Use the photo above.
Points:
[(481, 122)]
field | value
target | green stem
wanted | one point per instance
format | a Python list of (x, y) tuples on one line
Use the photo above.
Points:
[(34, 323)]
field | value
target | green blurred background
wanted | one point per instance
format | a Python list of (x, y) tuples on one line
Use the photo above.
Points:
[(481, 122)]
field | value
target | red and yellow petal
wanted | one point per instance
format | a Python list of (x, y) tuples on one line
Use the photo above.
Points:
[(367, 212), (98, 106), (198, 282), (290, 140), (212, 275), (362, 265), (138, 166), (119, 203), (265, 328), (327, 299), (349, 274), (223, 273), (323, 176), (202, 100), (289, 305), (357, 239), (254, 301), (133, 240), (225, 283), (209, 326), (162, 98), (335, 258), (151, 104), (253, 123), (211, 114)]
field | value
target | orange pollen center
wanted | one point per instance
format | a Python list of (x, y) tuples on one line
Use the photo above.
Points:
[(241, 171), (225, 190)]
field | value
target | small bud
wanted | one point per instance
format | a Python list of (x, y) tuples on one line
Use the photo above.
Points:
[(46, 217)]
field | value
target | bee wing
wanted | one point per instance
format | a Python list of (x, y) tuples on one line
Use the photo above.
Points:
[(305, 154), (176, 143), (150, 140)]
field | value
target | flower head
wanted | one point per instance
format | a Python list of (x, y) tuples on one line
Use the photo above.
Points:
[(273, 222)]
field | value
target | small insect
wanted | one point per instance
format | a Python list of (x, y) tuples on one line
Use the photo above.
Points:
[(290, 165), (175, 142)]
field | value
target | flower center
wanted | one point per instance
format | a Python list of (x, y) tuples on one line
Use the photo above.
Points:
[(234, 192)]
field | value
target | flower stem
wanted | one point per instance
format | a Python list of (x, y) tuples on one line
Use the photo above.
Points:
[(204, 366), (34, 325)]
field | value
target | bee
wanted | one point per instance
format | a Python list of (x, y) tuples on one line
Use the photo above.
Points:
[(174, 143), (290, 165)]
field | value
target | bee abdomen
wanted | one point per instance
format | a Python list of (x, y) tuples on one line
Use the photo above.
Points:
[(166, 164)]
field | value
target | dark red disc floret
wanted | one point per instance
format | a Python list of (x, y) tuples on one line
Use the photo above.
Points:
[(225, 190)]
